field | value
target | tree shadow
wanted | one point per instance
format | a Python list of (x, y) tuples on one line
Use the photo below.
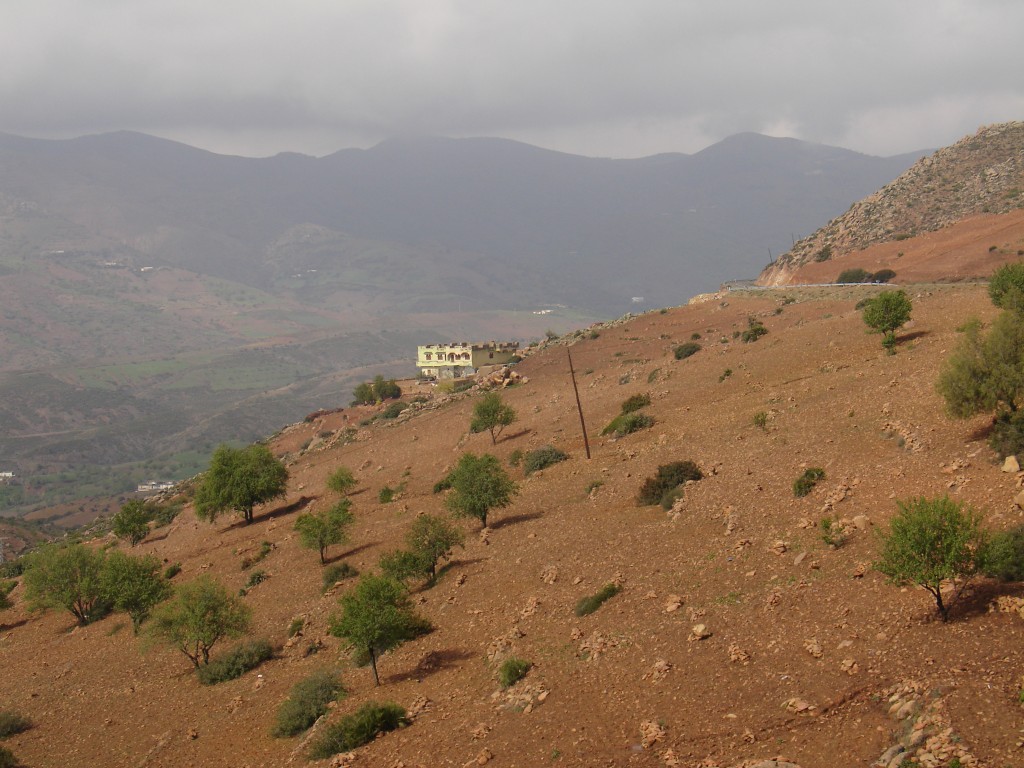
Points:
[(300, 503), (434, 661), (349, 553), (977, 598), (15, 625), (984, 432), (514, 435), (513, 519), (911, 336)]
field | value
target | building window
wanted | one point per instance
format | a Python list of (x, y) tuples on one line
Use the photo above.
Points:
[(427, 355)]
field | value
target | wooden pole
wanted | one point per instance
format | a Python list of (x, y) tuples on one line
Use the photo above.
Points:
[(575, 389)]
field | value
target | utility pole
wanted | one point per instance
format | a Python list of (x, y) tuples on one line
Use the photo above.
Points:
[(575, 389)]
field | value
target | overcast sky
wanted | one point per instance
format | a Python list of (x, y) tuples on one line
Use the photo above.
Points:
[(610, 78)]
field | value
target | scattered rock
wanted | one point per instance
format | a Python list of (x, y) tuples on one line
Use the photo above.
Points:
[(738, 655), (549, 575), (651, 732), (658, 672), (673, 603), (699, 632), (813, 647), (1010, 464)]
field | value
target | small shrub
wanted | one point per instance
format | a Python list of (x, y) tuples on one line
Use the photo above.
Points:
[(307, 702), (883, 276), (761, 420), (695, 336), (686, 350), (7, 758), (12, 569), (804, 484), (445, 482), (296, 626), (755, 330), (824, 253), (515, 458), (172, 570), (593, 485), (653, 375), (832, 532), (337, 572), (725, 375), (164, 514), (541, 458), (668, 478), (386, 495), (627, 423), (635, 403), (857, 275), (12, 723), (512, 670), (670, 497), (591, 603), (1004, 555), (393, 409), (256, 577), (357, 729), (234, 663)]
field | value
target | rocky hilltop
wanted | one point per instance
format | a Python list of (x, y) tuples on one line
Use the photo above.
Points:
[(983, 173)]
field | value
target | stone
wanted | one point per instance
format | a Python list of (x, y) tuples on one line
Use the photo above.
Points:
[(1011, 464), (1019, 500), (673, 603), (699, 632)]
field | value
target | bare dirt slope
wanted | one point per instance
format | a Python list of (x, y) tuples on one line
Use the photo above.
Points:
[(807, 644)]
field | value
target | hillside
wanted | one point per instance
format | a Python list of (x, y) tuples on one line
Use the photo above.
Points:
[(810, 658), (980, 174), (156, 299)]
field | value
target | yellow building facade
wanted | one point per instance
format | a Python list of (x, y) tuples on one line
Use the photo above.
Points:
[(455, 359)]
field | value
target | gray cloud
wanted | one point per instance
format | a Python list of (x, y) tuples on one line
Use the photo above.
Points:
[(588, 76)]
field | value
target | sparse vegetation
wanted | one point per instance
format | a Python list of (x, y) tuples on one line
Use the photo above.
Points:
[(386, 495), (392, 410), (541, 458), (491, 414), (172, 570), (307, 702), (725, 375), (635, 403), (668, 478), (832, 532), (1004, 555), (761, 420), (359, 728), (376, 391), (341, 480), (590, 603), (931, 542), (479, 484), (804, 484), (6, 587), (511, 671), (686, 350), (7, 759), (13, 723), (234, 663), (239, 479), (755, 330), (336, 572)]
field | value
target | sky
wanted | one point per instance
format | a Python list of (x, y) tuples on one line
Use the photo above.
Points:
[(606, 78)]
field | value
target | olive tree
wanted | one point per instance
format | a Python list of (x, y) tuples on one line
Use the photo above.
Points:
[(66, 577), (885, 313), (134, 585), (131, 522), (479, 484), (200, 614), (931, 542), (319, 530), (341, 480), (376, 616), (492, 415), (429, 539), (238, 479), (1006, 287)]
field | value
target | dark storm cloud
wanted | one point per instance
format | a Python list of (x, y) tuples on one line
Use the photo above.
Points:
[(587, 76)]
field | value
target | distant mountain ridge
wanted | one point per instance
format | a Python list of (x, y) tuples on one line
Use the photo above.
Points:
[(981, 173)]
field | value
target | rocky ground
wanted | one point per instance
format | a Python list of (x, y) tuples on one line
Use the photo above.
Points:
[(739, 637)]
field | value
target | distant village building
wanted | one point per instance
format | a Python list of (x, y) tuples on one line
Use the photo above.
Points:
[(155, 485), (448, 361)]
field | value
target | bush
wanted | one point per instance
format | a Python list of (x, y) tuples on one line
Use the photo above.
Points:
[(627, 423), (386, 495), (543, 457), (256, 577), (12, 723), (883, 276), (1006, 287), (306, 703), (1007, 438), (684, 351), (668, 478), (172, 570), (234, 663), (930, 542), (591, 603), (7, 759), (445, 482), (1004, 555), (635, 403), (341, 480), (512, 670), (338, 572), (515, 458), (755, 330), (163, 515), (392, 411), (357, 729), (804, 484), (857, 275), (668, 500), (761, 420)]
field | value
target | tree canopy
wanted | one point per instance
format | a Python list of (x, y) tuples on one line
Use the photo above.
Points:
[(319, 530), (885, 313), (66, 577), (479, 484), (376, 617), (341, 480), (491, 414), (134, 585), (238, 479), (200, 614), (1006, 287), (131, 522)]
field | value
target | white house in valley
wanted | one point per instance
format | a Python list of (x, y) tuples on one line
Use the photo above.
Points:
[(460, 358)]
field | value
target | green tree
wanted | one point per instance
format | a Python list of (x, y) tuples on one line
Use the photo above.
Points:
[(319, 530), (341, 480), (930, 542), (134, 585), (66, 577), (885, 313), (479, 484), (385, 389), (1006, 287), (376, 616), (363, 394), (491, 414), (200, 614), (239, 479), (433, 538), (131, 522)]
